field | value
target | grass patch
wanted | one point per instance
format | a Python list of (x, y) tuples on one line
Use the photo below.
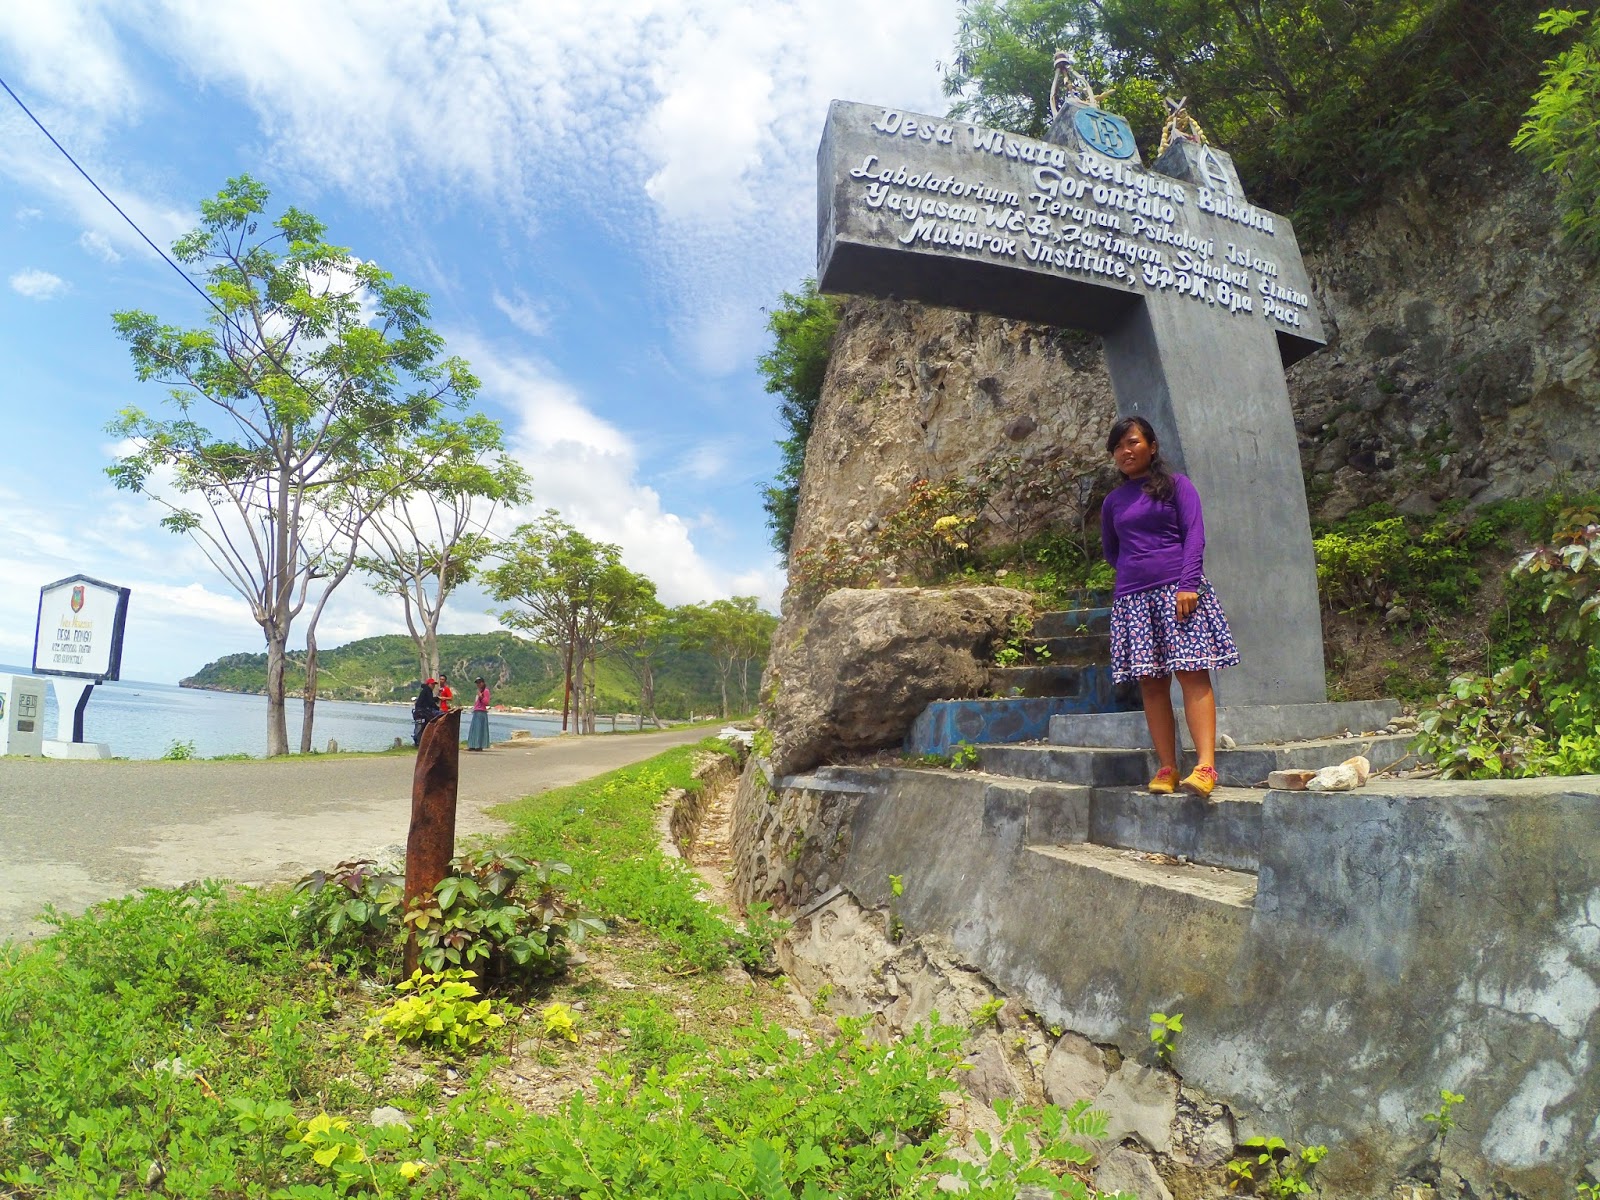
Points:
[(606, 829), (195, 1043)]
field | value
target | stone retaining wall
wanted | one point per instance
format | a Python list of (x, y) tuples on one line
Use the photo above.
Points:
[(1405, 938)]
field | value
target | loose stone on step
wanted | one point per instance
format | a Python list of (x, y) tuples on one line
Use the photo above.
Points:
[(1290, 781), (1342, 778)]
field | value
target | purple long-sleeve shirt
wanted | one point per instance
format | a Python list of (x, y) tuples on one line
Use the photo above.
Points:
[(1154, 542)]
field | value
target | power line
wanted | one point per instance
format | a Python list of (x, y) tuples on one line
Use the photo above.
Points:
[(134, 225)]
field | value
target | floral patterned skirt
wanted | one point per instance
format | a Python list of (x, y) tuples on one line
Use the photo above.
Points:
[(1148, 639)]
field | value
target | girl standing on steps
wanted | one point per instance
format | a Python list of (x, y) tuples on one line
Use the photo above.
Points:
[(1165, 619)]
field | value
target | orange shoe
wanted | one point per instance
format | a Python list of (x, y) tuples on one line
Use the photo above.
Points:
[(1165, 781), (1201, 781)]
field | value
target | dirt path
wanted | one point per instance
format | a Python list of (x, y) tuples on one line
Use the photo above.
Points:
[(74, 833)]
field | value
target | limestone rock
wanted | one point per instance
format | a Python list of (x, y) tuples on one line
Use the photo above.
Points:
[(1290, 781), (1342, 778), (1142, 1102), (1124, 1169), (990, 1077), (1075, 1070), (1362, 768), (388, 1115), (852, 675), (1214, 1145)]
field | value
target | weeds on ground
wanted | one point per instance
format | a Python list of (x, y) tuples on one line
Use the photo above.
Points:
[(199, 1038), (1538, 714)]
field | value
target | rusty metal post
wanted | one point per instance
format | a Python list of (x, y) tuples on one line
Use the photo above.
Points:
[(431, 842)]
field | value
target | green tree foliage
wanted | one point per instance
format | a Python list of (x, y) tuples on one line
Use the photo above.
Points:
[(802, 328), (1560, 130), (569, 590), (519, 673), (1319, 101), (314, 367), (640, 645), (429, 538), (735, 633)]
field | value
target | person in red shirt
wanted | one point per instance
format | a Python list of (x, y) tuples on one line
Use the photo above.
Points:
[(445, 694)]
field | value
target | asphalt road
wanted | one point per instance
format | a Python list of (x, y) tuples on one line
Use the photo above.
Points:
[(75, 833)]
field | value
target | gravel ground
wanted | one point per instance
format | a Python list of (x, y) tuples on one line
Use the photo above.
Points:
[(75, 833)]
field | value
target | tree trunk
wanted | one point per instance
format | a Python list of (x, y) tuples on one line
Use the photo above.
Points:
[(430, 640), (722, 674), (430, 841), (647, 694), (567, 696), (277, 722), (594, 703), (309, 703), (575, 690)]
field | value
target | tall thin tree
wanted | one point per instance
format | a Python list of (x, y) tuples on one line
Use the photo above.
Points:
[(311, 360)]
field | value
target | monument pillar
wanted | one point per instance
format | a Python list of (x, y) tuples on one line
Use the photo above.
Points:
[(1201, 297), (1218, 399)]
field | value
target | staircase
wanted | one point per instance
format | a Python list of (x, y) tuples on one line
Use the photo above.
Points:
[(1061, 719), (1070, 674)]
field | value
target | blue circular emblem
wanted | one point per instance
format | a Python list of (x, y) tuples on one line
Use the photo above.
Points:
[(1106, 132)]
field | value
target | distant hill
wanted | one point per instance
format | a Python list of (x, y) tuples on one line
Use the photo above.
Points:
[(518, 672)]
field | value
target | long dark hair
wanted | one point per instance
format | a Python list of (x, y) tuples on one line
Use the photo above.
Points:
[(1158, 483)]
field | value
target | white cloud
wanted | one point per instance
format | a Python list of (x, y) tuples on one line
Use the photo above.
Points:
[(687, 127), (587, 469), (29, 213), (529, 316), (41, 38), (98, 244), (37, 285)]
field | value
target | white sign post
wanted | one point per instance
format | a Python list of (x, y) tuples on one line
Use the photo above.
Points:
[(78, 642)]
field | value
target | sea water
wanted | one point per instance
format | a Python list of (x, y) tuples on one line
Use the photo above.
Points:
[(145, 720)]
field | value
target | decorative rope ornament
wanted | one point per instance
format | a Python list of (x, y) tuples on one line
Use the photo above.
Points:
[(1180, 124), (1078, 87)]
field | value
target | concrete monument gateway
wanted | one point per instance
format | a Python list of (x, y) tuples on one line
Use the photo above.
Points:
[(1202, 300)]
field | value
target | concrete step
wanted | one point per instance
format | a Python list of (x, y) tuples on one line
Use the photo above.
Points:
[(945, 724), (1079, 648), (1247, 724), (1188, 885), (1072, 622), (1054, 679), (1243, 766), (1224, 831)]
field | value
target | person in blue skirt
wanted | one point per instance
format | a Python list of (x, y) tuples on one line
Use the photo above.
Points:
[(1165, 617), (478, 733)]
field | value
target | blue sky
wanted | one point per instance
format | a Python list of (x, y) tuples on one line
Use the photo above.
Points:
[(600, 195)]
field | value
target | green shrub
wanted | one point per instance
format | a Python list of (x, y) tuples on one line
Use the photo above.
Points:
[(770, 1118), (1558, 130), (443, 1009), (499, 912), (1376, 558), (1539, 714)]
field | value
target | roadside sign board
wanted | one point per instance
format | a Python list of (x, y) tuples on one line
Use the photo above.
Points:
[(79, 633)]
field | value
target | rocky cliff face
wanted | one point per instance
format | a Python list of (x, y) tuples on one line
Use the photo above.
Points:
[(1462, 363), (1462, 357)]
